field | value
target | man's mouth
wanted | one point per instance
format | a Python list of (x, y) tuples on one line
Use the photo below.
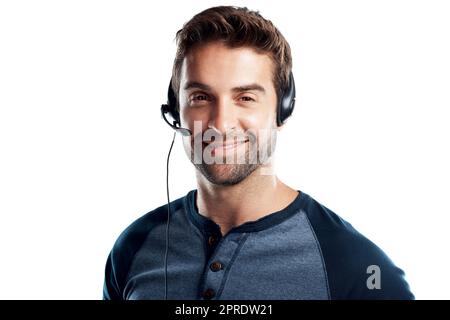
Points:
[(218, 146)]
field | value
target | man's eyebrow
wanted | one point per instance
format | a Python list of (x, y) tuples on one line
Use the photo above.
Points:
[(202, 86), (196, 85), (250, 87)]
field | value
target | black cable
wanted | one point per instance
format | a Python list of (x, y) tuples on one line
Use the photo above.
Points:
[(168, 218)]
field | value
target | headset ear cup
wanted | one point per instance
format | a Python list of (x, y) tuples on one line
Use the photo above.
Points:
[(287, 102), (172, 104)]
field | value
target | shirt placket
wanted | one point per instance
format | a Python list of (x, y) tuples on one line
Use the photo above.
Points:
[(216, 271)]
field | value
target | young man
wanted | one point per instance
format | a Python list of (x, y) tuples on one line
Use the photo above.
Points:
[(243, 233)]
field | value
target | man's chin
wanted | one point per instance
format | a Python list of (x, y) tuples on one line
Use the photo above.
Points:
[(226, 174)]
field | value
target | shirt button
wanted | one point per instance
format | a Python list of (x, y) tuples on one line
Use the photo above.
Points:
[(211, 240), (209, 294), (215, 266)]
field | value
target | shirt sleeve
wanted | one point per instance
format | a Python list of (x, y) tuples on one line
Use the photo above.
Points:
[(111, 289), (356, 268)]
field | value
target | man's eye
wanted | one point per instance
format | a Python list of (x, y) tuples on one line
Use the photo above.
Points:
[(200, 97), (246, 98)]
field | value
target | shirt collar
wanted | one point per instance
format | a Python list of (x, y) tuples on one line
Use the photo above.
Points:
[(208, 226)]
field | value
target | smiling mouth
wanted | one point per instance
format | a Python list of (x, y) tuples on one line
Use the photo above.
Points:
[(227, 145)]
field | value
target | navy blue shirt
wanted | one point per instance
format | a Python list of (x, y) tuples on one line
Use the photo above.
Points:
[(304, 251)]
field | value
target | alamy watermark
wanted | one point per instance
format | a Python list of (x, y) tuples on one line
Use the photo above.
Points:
[(374, 280)]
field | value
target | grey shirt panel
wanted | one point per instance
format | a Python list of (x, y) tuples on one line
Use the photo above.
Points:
[(281, 262)]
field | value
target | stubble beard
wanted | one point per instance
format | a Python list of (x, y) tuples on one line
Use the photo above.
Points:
[(229, 174)]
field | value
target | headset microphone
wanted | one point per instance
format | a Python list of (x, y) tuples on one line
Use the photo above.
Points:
[(171, 107), (183, 131)]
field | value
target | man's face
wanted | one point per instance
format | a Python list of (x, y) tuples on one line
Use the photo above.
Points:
[(228, 100)]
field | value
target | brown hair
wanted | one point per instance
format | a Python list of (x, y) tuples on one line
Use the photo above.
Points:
[(235, 27)]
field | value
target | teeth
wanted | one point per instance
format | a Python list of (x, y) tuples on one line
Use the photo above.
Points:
[(226, 145)]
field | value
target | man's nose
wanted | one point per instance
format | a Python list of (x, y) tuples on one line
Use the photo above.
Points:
[(223, 116)]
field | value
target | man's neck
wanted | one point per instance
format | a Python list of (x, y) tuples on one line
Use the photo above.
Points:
[(253, 198)]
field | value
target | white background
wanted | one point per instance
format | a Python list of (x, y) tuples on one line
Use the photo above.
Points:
[(83, 146)]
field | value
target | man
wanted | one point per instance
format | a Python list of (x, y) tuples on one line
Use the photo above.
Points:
[(243, 233)]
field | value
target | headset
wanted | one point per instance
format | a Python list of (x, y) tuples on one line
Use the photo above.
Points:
[(285, 107)]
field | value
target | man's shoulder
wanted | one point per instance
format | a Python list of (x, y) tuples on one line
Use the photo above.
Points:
[(127, 245), (350, 258), (330, 227), (138, 230)]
